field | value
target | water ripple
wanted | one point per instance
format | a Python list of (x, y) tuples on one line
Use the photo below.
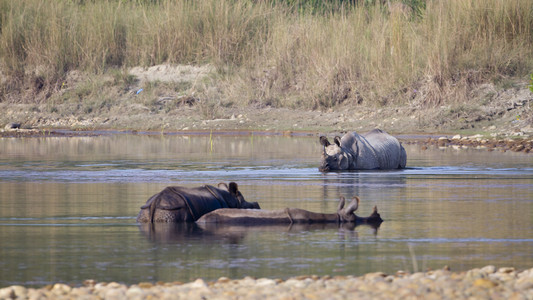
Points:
[(249, 173)]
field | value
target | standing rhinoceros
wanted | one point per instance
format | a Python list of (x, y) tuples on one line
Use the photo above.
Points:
[(182, 204), (373, 150), (290, 216)]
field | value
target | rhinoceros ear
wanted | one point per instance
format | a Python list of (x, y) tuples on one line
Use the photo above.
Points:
[(324, 141), (233, 188), (223, 186), (341, 203), (353, 205), (338, 140)]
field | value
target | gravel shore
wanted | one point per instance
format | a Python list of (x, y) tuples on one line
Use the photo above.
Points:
[(486, 283)]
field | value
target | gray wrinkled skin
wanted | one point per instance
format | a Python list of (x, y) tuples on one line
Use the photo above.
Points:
[(373, 150), (345, 214), (177, 204)]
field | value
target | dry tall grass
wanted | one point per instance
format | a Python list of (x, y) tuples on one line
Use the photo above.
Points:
[(269, 53)]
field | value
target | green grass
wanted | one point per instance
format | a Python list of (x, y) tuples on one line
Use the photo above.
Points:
[(280, 53)]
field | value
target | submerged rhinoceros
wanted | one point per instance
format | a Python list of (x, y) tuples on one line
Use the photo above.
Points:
[(182, 204), (373, 150), (290, 216)]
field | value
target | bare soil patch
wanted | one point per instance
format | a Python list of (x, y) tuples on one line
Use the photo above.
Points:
[(166, 99)]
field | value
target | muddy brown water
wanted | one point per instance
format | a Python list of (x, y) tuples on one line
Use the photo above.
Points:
[(68, 208)]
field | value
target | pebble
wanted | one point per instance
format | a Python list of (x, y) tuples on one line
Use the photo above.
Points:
[(459, 142), (12, 126), (480, 283)]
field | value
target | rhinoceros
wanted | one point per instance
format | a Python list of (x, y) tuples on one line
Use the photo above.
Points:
[(181, 204), (373, 150), (290, 216)]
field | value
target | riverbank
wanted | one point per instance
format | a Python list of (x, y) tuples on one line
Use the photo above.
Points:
[(494, 117), (507, 114), (478, 141), (485, 283)]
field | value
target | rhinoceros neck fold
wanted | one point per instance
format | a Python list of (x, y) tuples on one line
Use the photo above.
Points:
[(217, 196), (366, 157)]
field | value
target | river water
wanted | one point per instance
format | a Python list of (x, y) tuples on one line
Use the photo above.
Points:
[(68, 208)]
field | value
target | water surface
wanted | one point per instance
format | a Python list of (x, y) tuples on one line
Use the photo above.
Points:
[(68, 208)]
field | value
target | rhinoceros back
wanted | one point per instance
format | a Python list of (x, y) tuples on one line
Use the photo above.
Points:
[(205, 200), (388, 150), (364, 157), (178, 204)]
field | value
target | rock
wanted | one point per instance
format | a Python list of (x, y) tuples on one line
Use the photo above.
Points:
[(525, 283), (100, 285), (417, 276), (198, 283), (518, 148), (442, 141), (145, 285), (376, 276), (506, 270), (114, 285), (112, 294), (135, 292), (89, 282), (7, 293), (475, 274), (295, 283), (264, 282), (11, 126), (485, 283), (34, 294), (61, 289), (223, 280), (19, 291), (489, 269)]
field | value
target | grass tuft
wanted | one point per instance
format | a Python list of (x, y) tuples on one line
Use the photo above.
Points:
[(306, 54)]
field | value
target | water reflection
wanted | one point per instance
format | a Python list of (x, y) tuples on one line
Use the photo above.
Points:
[(234, 234)]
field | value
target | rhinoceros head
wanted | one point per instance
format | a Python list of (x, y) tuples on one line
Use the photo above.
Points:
[(233, 189), (346, 214), (333, 156)]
